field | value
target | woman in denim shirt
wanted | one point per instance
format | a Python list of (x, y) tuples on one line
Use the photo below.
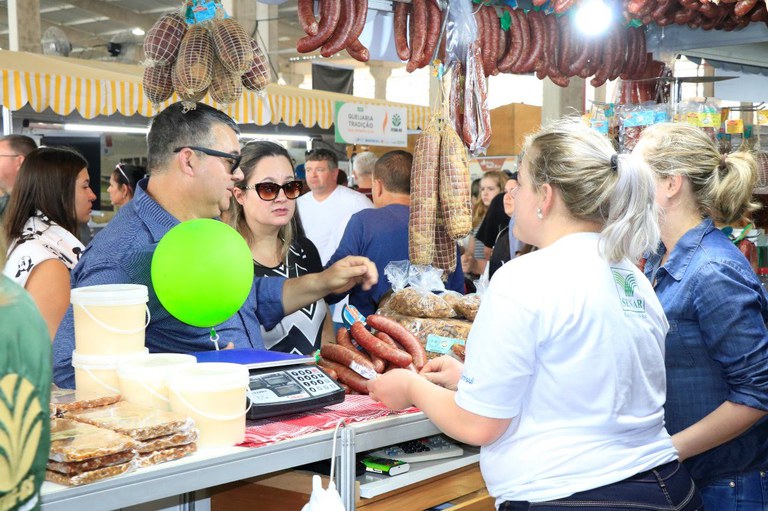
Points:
[(717, 345)]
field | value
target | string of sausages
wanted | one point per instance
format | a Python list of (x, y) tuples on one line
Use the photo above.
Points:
[(339, 27), (391, 347), (705, 14)]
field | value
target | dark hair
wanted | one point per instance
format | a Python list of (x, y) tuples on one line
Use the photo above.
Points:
[(394, 171), (20, 144), (175, 127), (342, 178), (46, 182), (323, 155), (129, 175), (252, 154)]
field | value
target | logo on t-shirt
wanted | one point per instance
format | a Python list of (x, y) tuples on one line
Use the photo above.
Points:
[(626, 284)]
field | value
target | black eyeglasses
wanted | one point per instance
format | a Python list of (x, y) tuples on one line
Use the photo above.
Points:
[(234, 159), (270, 191)]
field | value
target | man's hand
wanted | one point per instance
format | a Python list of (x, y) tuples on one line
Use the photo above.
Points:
[(346, 273)]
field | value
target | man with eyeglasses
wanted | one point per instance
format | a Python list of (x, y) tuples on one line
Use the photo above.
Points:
[(13, 150), (193, 160)]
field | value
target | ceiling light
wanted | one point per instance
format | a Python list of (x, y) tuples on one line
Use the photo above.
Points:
[(103, 128), (593, 17), (137, 31)]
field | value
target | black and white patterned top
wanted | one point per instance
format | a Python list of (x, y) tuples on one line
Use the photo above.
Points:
[(40, 240), (301, 331)]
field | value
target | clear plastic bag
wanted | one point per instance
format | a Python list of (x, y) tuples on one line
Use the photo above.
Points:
[(419, 298)]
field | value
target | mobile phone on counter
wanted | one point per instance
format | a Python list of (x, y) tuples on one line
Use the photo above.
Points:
[(385, 466)]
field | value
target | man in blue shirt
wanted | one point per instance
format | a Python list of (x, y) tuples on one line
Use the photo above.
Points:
[(193, 162), (381, 233)]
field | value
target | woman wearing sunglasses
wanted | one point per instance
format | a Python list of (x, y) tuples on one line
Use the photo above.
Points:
[(122, 183), (263, 213)]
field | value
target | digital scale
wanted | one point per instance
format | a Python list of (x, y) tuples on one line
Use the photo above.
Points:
[(280, 383)]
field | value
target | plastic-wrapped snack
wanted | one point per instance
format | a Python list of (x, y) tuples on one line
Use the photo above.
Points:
[(65, 400), (135, 421), (91, 476), (465, 305), (77, 441), (163, 455), (78, 467), (168, 441), (418, 299), (414, 302)]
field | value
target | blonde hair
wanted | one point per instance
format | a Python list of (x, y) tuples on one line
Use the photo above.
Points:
[(597, 185), (722, 184), (479, 210)]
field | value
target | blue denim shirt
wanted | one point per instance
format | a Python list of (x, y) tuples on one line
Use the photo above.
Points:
[(717, 344), (122, 253)]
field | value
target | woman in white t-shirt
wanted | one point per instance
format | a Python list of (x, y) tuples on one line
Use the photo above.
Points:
[(51, 197), (563, 384)]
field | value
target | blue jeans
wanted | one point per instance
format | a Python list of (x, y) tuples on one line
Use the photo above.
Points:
[(665, 488), (744, 492)]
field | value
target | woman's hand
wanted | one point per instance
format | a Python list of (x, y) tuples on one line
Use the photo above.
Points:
[(444, 371), (393, 388)]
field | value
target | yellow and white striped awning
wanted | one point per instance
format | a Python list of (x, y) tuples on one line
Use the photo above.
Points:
[(94, 88)]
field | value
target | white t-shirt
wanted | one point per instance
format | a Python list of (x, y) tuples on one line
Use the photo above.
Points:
[(572, 348), (40, 240), (324, 223)]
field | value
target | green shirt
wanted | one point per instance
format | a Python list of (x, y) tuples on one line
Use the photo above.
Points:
[(25, 391)]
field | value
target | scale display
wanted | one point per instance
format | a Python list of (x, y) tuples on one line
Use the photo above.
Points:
[(281, 391)]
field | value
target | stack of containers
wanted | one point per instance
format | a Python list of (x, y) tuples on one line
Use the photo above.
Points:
[(110, 321)]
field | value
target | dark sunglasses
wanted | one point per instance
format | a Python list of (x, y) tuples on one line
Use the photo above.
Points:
[(269, 191), (234, 159)]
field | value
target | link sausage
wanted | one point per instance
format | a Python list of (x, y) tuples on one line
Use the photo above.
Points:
[(306, 11), (401, 335), (330, 13), (376, 346), (402, 10)]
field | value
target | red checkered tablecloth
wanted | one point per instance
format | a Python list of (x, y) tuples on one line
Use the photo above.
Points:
[(355, 408)]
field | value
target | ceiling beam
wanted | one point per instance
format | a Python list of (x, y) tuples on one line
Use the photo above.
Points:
[(74, 34), (115, 13)]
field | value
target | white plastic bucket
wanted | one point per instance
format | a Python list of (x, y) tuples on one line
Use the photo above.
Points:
[(214, 395), (110, 319), (98, 373), (143, 381)]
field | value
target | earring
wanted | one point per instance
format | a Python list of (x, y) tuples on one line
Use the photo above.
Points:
[(539, 214), (669, 196)]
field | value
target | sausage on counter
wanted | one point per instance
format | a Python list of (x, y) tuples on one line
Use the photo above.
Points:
[(375, 346), (346, 375), (401, 335), (345, 356)]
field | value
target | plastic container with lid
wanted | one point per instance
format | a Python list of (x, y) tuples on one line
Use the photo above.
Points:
[(144, 381), (214, 394), (98, 373), (110, 319)]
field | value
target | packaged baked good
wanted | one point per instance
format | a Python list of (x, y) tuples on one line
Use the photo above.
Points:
[(77, 441), (168, 441), (419, 298), (135, 421), (89, 476), (77, 467), (65, 400), (163, 455), (466, 306)]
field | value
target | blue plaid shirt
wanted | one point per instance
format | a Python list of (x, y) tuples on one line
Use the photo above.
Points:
[(717, 344), (122, 254)]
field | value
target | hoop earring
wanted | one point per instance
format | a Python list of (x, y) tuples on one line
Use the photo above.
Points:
[(539, 214)]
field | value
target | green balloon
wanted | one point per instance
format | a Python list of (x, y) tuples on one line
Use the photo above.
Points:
[(202, 272)]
